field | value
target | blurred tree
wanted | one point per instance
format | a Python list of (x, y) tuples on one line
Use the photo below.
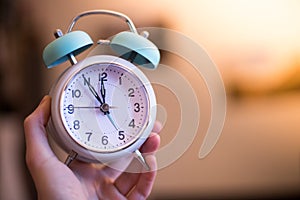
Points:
[(20, 60), (20, 81)]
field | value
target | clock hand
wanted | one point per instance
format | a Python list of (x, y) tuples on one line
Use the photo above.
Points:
[(92, 89), (103, 91), (112, 121), (91, 107), (104, 106), (113, 107), (94, 107)]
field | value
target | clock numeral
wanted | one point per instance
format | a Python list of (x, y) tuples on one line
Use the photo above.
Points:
[(131, 92), (70, 109), (131, 124), (76, 124), (103, 76), (86, 81), (89, 134), (76, 93), (105, 140), (121, 135), (137, 107)]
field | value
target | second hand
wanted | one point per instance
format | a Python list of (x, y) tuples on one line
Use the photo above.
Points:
[(94, 107)]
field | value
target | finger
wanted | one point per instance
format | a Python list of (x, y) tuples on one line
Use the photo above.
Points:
[(37, 146), (82, 169), (151, 145), (157, 127), (93, 177), (142, 186), (128, 179)]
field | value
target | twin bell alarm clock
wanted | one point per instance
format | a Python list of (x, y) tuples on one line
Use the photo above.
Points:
[(103, 107)]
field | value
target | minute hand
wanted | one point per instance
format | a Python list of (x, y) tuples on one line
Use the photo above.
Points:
[(92, 89)]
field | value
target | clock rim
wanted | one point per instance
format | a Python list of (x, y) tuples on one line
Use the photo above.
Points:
[(59, 132)]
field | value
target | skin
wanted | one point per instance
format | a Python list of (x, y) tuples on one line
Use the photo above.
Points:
[(54, 180)]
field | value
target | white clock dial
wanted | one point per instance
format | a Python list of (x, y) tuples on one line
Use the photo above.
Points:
[(104, 107)]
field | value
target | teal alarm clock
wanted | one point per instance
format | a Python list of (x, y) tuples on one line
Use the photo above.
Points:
[(103, 107)]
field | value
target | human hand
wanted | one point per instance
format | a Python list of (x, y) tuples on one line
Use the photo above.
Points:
[(55, 180)]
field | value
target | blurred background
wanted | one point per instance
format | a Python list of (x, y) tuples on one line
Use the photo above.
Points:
[(255, 45)]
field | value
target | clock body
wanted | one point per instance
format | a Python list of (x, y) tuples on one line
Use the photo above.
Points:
[(103, 108)]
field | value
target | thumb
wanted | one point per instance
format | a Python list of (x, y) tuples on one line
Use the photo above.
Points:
[(37, 147)]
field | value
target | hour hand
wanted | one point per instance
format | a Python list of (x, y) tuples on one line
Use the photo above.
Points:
[(103, 91)]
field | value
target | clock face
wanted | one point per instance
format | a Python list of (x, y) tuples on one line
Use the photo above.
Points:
[(104, 107)]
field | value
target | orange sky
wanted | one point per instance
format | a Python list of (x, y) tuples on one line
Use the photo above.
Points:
[(255, 42)]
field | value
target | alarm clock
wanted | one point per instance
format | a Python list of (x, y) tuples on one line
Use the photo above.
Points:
[(103, 107)]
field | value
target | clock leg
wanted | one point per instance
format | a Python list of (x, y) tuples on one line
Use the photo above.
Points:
[(140, 157), (72, 155)]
